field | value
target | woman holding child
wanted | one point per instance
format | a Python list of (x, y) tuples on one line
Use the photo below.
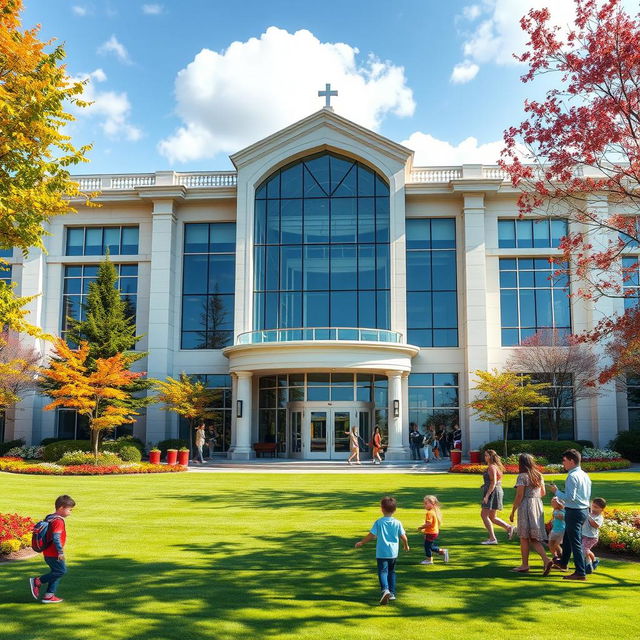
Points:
[(492, 497), (528, 503)]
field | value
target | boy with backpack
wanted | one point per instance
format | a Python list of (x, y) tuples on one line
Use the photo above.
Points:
[(49, 537)]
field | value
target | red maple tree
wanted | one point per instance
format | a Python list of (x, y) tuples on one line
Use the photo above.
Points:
[(583, 143)]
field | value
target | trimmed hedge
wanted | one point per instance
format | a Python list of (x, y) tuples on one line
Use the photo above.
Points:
[(107, 459), (172, 443), (628, 444), (552, 450), (45, 441), (55, 450), (130, 454), (5, 446), (122, 443)]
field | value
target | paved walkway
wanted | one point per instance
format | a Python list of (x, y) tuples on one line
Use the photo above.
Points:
[(282, 465)]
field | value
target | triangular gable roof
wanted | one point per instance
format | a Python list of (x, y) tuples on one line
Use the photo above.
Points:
[(323, 118)]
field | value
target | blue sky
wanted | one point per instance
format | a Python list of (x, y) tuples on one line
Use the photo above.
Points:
[(245, 69)]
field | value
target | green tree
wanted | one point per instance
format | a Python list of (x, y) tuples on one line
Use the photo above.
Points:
[(504, 395), (35, 156)]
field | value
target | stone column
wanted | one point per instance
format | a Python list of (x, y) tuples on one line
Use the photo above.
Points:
[(475, 432), (242, 449), (162, 334), (396, 449)]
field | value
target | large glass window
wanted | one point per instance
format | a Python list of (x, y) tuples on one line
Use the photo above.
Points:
[(77, 279), (532, 298), (527, 233), (96, 241), (630, 240), (433, 400), (432, 307), (631, 269), (322, 246), (208, 285), (5, 273), (633, 403)]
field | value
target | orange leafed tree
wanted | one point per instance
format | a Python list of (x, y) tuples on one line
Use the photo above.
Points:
[(98, 394)]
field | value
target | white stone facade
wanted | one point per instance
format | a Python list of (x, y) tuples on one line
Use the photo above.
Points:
[(162, 203)]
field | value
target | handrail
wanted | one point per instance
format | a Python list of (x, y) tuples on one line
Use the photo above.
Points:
[(352, 334)]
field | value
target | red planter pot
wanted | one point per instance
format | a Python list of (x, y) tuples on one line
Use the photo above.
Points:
[(172, 456), (456, 457), (474, 457), (154, 457), (183, 458)]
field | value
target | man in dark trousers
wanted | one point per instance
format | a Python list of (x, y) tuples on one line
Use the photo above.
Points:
[(415, 441)]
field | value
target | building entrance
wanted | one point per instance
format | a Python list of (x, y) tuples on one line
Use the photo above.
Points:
[(320, 431)]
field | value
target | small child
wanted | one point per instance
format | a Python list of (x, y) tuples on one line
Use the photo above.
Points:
[(387, 531), (557, 529), (54, 552), (590, 532), (431, 530)]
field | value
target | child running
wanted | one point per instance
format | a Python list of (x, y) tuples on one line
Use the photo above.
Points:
[(590, 533), (54, 552), (557, 529), (387, 531), (431, 530)]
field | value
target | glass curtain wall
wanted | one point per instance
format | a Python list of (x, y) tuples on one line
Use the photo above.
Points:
[(322, 246), (633, 402), (433, 400)]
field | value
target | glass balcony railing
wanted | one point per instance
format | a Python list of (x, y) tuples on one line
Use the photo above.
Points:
[(313, 334)]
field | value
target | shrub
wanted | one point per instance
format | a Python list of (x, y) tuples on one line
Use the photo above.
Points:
[(599, 454), (585, 443), (6, 446), (124, 441), (104, 459), (550, 449), (513, 459), (174, 443), (45, 441), (55, 450), (620, 531), (130, 454), (628, 444), (31, 453), (16, 465)]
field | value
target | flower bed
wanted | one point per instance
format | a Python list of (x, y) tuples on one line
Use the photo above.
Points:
[(15, 535), (589, 466), (620, 532), (18, 465)]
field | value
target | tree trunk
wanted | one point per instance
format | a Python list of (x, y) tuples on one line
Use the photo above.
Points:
[(95, 440), (505, 434)]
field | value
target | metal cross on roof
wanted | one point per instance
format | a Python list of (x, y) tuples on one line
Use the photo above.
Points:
[(327, 93)]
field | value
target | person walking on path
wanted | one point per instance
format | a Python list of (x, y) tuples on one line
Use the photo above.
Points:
[(576, 497), (528, 504), (377, 446), (53, 553), (387, 532), (199, 443), (415, 441), (354, 445), (493, 496)]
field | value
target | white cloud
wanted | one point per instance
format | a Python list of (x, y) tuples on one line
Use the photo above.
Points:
[(430, 151), (112, 45), (230, 99), (464, 72), (79, 10), (472, 12), (111, 108), (152, 9)]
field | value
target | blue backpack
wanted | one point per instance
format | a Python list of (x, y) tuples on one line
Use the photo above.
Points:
[(41, 536)]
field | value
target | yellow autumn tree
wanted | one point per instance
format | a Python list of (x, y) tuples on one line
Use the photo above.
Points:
[(99, 394), (35, 154), (504, 395), (187, 397)]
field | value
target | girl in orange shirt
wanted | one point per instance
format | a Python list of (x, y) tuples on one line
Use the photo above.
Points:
[(431, 530)]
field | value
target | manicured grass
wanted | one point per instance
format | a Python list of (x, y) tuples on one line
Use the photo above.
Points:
[(208, 555)]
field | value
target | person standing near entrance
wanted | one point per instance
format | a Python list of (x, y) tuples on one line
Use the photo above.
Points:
[(377, 445), (576, 497), (354, 445), (415, 441), (199, 443)]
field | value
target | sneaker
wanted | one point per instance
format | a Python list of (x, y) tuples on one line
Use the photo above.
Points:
[(588, 569), (35, 583), (445, 555), (596, 562), (489, 542), (392, 597), (427, 562), (386, 595), (51, 600)]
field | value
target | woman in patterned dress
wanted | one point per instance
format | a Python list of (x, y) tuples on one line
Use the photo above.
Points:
[(492, 497), (528, 503)]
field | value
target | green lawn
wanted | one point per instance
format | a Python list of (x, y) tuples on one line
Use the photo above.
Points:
[(208, 555)]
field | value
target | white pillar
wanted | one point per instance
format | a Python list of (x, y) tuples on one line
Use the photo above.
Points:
[(475, 432), (396, 449), (242, 449), (162, 334)]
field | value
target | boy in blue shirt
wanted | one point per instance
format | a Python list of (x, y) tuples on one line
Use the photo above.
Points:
[(387, 531)]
